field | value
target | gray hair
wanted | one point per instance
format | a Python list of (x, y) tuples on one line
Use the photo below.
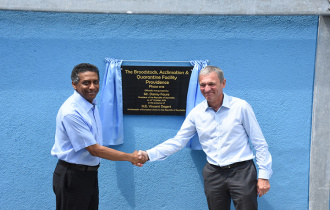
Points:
[(210, 69)]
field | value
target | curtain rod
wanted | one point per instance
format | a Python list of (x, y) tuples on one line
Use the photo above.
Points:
[(145, 61)]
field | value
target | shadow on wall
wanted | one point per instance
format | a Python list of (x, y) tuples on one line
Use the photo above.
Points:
[(264, 204), (125, 183), (199, 158)]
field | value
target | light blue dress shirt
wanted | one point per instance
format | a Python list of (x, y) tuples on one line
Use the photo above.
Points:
[(224, 135), (78, 126)]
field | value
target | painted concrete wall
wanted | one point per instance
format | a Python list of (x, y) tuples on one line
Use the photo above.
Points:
[(267, 60), (319, 195)]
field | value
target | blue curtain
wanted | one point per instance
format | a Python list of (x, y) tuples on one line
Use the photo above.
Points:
[(111, 104), (194, 97)]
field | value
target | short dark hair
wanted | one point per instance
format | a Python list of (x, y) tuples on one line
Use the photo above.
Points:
[(83, 67)]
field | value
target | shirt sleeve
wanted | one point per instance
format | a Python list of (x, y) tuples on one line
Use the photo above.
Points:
[(263, 157), (173, 145), (79, 132)]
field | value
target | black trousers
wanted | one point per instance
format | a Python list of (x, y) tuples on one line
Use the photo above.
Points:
[(237, 183), (74, 189)]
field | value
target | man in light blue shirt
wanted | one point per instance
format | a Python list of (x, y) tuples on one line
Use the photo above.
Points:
[(78, 144), (224, 125)]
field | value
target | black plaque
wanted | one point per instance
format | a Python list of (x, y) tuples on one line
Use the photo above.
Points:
[(155, 90)]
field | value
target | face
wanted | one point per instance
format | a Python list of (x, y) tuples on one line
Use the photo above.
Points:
[(211, 88), (88, 85)]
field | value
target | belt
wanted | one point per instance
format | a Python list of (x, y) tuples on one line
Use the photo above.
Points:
[(232, 165), (78, 166)]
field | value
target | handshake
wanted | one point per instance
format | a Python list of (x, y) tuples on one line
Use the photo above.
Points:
[(138, 158)]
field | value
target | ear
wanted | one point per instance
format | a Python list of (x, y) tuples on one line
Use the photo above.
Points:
[(224, 83), (74, 86)]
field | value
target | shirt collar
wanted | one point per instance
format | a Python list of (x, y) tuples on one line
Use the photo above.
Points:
[(225, 102), (83, 102)]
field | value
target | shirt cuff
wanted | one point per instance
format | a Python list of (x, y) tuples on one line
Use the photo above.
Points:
[(152, 154), (263, 174)]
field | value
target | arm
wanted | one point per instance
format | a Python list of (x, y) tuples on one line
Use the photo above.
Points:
[(81, 137), (263, 157), (115, 155), (253, 130), (173, 145)]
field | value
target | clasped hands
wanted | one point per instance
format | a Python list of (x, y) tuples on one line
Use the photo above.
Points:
[(139, 158)]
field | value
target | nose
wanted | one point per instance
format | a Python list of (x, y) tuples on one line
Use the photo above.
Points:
[(207, 88), (92, 86)]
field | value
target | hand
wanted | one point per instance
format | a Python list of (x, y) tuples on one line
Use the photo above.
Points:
[(263, 186), (138, 159), (144, 154)]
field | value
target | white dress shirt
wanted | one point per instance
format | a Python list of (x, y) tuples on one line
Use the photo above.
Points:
[(224, 135)]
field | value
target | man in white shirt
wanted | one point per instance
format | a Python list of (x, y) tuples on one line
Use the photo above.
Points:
[(224, 125)]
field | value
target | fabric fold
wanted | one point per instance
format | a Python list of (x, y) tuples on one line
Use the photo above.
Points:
[(194, 97), (111, 104)]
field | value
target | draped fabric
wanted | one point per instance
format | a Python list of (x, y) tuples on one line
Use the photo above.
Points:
[(111, 104), (194, 97)]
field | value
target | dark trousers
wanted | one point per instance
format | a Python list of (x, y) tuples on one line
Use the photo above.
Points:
[(238, 183), (74, 189)]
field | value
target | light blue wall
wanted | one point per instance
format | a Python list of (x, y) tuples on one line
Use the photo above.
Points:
[(267, 60)]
